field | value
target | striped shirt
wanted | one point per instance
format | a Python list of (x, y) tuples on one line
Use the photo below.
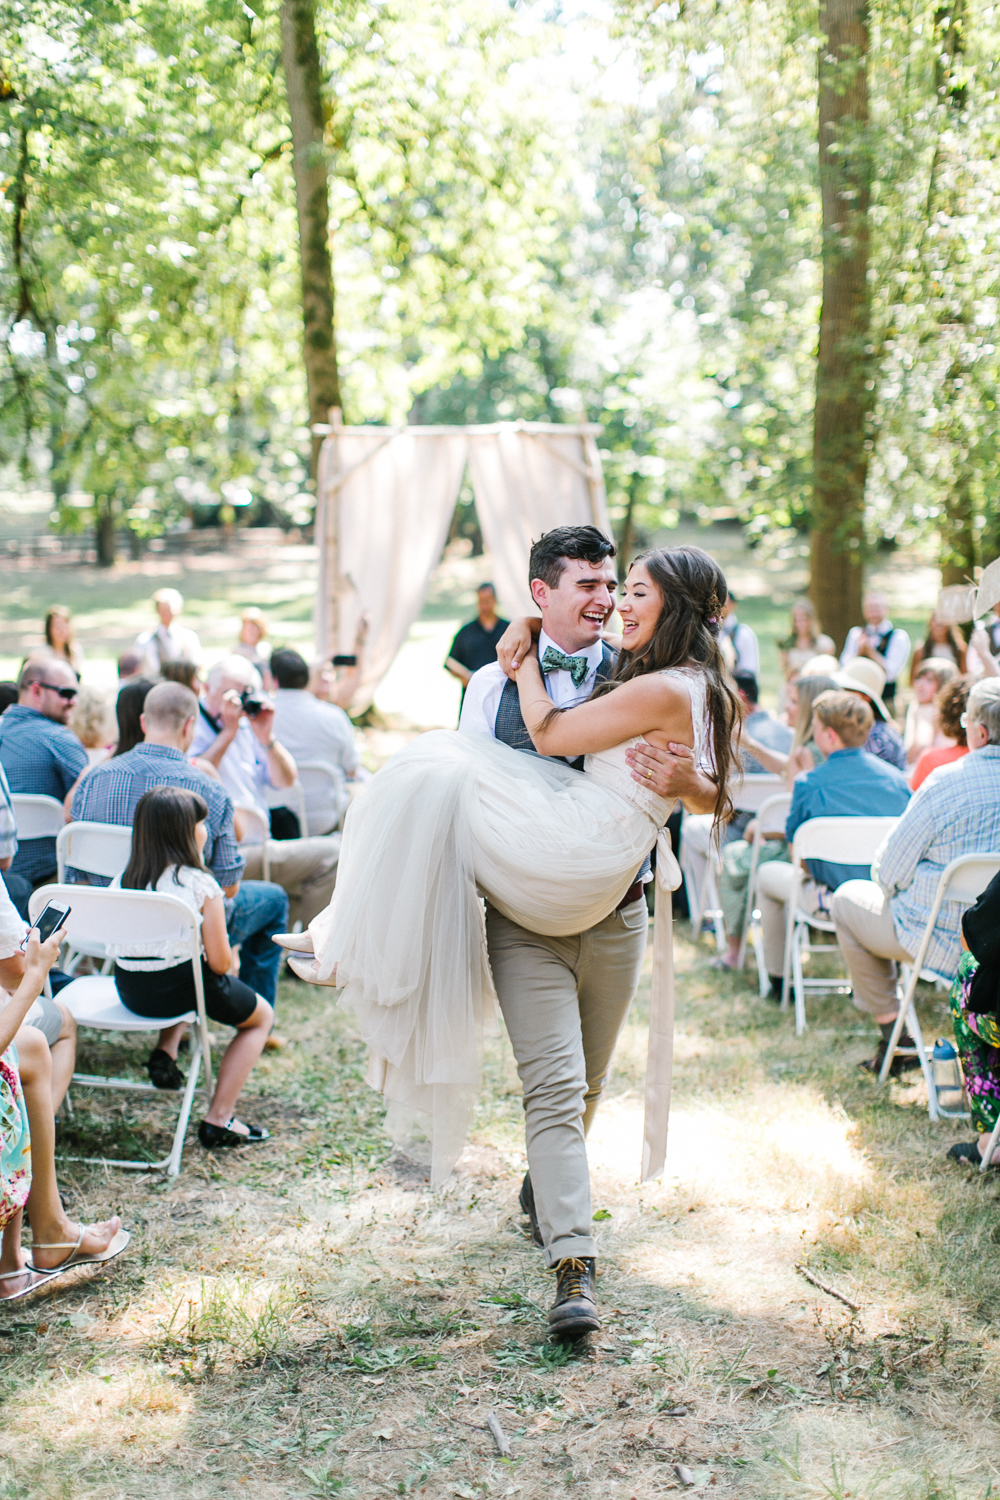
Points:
[(112, 790), (956, 811), (41, 759)]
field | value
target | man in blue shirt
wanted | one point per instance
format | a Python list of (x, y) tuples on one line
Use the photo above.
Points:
[(850, 783), (40, 755)]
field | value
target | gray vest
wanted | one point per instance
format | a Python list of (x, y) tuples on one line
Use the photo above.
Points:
[(510, 729)]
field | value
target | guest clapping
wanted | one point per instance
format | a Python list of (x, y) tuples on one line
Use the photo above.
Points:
[(921, 731), (942, 643), (882, 643), (949, 710)]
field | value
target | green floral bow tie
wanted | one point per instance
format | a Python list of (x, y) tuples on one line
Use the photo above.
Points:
[(555, 660)]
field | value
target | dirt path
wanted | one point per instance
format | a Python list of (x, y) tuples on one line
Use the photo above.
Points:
[(312, 1320)]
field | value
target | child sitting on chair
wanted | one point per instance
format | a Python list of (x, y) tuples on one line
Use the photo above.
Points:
[(168, 835)]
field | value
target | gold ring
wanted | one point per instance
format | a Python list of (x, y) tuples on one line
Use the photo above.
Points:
[(649, 775)]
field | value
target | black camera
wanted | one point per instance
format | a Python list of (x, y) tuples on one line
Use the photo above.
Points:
[(253, 703)]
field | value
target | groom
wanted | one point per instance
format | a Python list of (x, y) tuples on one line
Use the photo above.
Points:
[(564, 999)]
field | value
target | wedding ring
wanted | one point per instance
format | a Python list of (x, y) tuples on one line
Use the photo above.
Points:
[(649, 775)]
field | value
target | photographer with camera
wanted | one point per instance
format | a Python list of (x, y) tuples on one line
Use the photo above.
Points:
[(235, 734)]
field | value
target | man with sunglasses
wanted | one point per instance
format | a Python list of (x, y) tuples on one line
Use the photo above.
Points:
[(40, 755)]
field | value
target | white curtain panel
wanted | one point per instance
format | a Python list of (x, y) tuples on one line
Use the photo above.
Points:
[(527, 479), (389, 497)]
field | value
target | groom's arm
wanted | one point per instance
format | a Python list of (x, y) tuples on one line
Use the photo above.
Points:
[(675, 773)]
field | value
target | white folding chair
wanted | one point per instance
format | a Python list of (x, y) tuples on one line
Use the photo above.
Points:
[(839, 841), (253, 815), (771, 817), (322, 782), (962, 881), (131, 918), (96, 849), (37, 817), (748, 795)]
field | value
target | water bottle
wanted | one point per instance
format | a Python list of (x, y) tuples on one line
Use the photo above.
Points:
[(946, 1071)]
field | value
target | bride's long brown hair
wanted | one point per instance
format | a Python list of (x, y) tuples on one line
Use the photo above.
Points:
[(693, 595)]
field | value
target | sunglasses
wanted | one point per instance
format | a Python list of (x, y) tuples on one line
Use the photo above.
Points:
[(64, 692)]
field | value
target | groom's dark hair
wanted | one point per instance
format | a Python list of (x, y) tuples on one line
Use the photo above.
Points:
[(549, 553)]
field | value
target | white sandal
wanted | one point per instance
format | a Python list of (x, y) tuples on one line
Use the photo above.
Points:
[(117, 1245), (34, 1279)]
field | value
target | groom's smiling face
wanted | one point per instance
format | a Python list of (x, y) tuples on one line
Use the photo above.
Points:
[(574, 614)]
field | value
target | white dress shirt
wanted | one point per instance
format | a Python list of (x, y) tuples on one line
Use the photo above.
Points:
[(745, 647), (171, 642), (311, 730), (897, 652), (485, 689), (243, 770)]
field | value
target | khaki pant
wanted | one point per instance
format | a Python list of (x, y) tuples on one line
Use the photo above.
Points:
[(564, 1001), (867, 937), (774, 887), (306, 869)]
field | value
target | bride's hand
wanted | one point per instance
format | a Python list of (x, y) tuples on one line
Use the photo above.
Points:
[(517, 642)]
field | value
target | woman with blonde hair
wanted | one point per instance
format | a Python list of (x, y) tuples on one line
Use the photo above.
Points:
[(89, 722), (803, 643)]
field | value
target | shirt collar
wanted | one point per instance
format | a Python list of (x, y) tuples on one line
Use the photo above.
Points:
[(881, 627), (594, 653), (169, 750), (847, 750), (22, 710)]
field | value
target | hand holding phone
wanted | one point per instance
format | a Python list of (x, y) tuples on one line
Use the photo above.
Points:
[(50, 919)]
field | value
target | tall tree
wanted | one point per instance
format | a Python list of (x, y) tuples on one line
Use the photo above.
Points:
[(844, 385), (304, 86)]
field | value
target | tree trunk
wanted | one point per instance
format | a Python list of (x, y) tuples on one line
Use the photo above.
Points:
[(104, 526), (841, 442), (300, 57), (626, 540)]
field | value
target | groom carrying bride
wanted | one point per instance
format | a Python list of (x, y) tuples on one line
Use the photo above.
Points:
[(564, 999)]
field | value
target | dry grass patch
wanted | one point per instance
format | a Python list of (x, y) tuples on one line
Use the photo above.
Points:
[(310, 1320)]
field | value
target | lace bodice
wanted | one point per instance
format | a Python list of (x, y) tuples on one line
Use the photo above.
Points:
[(612, 769)]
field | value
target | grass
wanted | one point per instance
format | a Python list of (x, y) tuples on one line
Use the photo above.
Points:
[(311, 1320)]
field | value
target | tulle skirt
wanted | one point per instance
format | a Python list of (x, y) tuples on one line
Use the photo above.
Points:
[(449, 820)]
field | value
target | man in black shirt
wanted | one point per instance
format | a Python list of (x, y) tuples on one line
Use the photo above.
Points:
[(475, 645)]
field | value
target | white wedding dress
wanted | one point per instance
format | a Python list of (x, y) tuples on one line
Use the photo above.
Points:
[(449, 820)]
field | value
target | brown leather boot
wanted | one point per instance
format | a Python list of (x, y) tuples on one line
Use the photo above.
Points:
[(574, 1312)]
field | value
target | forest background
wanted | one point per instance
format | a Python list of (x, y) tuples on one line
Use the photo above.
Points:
[(757, 243)]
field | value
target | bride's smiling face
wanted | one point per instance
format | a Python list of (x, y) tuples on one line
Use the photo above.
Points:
[(640, 607)]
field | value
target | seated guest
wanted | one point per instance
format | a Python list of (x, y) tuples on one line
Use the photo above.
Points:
[(89, 722), (47, 1016), (921, 731), (335, 679), (311, 730), (40, 755), (128, 712), (170, 641), (129, 666), (881, 921), (110, 794), (866, 678), (760, 724), (949, 707), (243, 748), (27, 1151), (881, 644), (849, 783), (184, 672), (802, 755), (169, 832), (975, 1010)]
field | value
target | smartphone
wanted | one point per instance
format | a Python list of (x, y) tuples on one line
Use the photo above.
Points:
[(50, 919)]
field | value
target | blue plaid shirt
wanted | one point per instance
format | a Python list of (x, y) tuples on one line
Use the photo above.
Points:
[(956, 811), (112, 790), (43, 759)]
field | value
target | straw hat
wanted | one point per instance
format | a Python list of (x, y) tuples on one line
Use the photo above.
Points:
[(864, 676), (820, 666)]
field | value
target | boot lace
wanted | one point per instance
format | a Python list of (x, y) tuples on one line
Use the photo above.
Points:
[(572, 1274)]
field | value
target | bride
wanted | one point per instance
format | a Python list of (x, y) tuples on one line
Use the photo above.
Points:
[(454, 818)]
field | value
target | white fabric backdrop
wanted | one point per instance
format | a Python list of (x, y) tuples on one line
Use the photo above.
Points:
[(527, 481), (392, 511), (393, 505)]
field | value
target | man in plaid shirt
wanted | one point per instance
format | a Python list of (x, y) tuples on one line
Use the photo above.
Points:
[(39, 753), (880, 921)]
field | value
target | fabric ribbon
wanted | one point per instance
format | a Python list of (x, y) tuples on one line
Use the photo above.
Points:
[(660, 1054), (554, 660)]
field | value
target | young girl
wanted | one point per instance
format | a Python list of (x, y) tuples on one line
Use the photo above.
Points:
[(168, 836)]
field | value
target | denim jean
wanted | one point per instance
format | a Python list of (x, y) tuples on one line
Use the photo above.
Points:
[(258, 909)]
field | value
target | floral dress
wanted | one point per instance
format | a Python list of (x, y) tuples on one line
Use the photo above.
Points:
[(15, 1140), (977, 1038)]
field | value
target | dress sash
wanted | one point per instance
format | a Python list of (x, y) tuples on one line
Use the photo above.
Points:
[(660, 1054)]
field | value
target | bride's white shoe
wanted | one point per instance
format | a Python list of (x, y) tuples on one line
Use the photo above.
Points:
[(295, 942), (310, 972)]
